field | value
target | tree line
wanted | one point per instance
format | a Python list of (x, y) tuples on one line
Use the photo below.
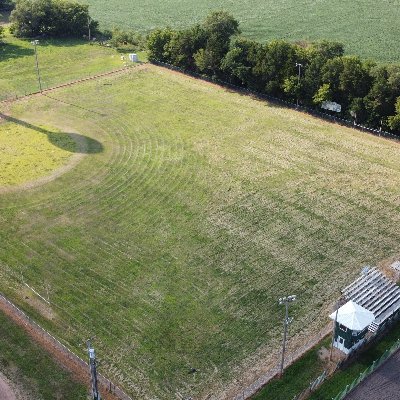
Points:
[(312, 73)]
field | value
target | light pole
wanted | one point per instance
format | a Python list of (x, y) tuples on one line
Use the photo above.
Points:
[(35, 43), (285, 301), (298, 79), (93, 371)]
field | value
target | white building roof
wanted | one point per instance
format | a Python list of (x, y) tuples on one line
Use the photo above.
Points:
[(353, 316)]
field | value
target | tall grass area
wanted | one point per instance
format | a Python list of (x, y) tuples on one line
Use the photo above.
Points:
[(31, 369), (368, 28), (60, 61), (174, 240)]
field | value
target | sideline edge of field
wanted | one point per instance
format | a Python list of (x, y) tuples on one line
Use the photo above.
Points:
[(74, 82), (68, 359)]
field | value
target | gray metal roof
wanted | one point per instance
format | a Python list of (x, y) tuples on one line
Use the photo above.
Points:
[(376, 293)]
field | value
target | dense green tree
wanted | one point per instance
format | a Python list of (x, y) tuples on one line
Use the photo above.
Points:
[(394, 121), (56, 18), (218, 27), (322, 94), (157, 44), (126, 39), (184, 45), (6, 5), (275, 61), (380, 101), (240, 61)]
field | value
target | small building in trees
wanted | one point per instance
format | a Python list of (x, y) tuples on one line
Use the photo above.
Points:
[(371, 302)]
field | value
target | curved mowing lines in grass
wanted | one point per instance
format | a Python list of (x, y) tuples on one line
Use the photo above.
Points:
[(61, 197)]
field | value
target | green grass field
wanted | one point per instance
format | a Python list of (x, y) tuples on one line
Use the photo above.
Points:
[(32, 370), (60, 61), (368, 28), (27, 154), (193, 211)]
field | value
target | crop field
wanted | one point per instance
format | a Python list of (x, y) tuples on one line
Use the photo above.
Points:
[(368, 28), (191, 211)]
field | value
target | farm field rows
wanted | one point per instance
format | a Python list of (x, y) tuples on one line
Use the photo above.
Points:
[(193, 211), (368, 28)]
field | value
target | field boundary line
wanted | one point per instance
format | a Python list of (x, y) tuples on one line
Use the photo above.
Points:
[(74, 82), (69, 360)]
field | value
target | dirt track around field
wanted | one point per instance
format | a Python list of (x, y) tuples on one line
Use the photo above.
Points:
[(68, 360)]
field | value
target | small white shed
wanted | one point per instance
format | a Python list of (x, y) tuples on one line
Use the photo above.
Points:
[(133, 57)]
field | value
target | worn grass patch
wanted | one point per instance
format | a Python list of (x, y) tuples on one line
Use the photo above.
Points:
[(28, 154), (173, 243)]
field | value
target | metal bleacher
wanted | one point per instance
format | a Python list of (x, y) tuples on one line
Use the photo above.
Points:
[(376, 293)]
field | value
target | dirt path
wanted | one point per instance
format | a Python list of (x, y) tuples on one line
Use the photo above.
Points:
[(71, 362), (6, 393)]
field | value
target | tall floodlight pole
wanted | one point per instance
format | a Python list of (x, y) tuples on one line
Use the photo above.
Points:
[(35, 43), (298, 79), (93, 371), (285, 301), (88, 24)]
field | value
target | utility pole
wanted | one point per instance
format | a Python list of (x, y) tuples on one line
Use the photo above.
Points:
[(285, 301), (298, 79), (93, 371), (88, 24), (35, 43)]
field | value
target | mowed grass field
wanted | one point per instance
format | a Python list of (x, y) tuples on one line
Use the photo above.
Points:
[(173, 240), (60, 61), (368, 28)]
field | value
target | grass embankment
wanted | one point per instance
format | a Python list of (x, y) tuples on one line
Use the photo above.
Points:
[(173, 241), (32, 370), (60, 61), (368, 28)]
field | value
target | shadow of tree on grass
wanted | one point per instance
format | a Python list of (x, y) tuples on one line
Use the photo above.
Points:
[(82, 144)]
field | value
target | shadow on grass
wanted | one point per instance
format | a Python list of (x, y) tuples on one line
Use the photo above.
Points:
[(10, 50), (84, 144)]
